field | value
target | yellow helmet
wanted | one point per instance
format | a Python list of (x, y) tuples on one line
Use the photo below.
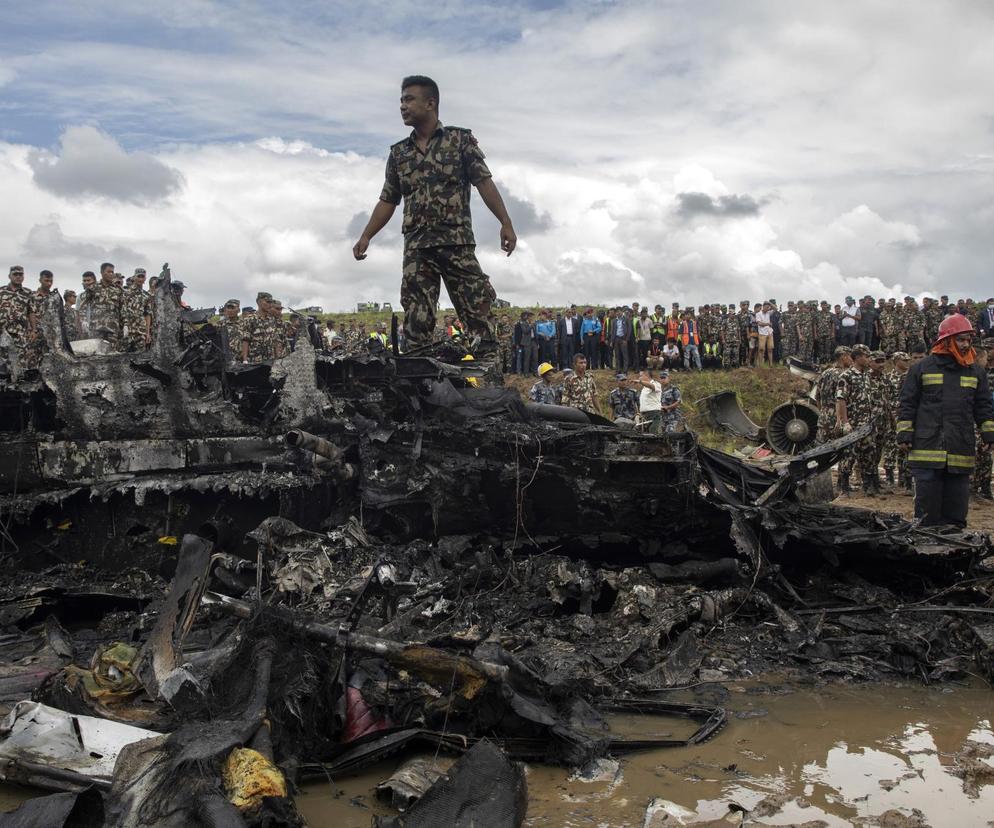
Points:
[(544, 368), (471, 380)]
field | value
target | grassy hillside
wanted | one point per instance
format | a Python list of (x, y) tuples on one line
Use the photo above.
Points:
[(371, 318), (759, 392)]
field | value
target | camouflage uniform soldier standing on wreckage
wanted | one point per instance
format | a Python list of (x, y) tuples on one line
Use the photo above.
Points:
[(432, 170)]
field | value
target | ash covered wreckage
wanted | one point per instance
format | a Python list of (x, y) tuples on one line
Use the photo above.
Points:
[(225, 581)]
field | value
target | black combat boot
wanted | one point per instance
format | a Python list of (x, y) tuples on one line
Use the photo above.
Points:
[(844, 484)]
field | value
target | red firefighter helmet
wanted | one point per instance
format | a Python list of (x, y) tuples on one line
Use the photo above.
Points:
[(953, 325)]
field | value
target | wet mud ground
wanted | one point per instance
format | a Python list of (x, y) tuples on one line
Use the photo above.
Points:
[(980, 517), (832, 756)]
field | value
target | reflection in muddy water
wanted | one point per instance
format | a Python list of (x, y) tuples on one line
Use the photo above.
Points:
[(838, 755)]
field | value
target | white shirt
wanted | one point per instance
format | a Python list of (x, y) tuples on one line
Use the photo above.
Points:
[(569, 325), (763, 326), (849, 315), (671, 350), (649, 398)]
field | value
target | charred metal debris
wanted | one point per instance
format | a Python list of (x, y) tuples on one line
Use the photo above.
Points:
[(225, 582)]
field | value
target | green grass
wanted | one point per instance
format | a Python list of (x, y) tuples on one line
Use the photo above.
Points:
[(342, 317), (759, 392)]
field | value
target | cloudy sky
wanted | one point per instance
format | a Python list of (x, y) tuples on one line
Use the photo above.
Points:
[(650, 151)]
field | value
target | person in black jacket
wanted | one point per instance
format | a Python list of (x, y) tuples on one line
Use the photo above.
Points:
[(943, 398), (569, 336)]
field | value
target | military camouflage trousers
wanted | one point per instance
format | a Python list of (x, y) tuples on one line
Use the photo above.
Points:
[(825, 348), (468, 287), (982, 471), (894, 457), (863, 455), (133, 342), (827, 426), (790, 344), (730, 355)]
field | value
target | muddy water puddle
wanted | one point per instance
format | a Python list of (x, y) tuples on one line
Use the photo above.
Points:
[(838, 755)]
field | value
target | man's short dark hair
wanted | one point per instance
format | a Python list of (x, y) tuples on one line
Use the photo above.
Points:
[(89, 273), (423, 81), (46, 273), (105, 265)]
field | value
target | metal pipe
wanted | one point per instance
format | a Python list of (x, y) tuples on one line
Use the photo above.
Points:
[(392, 650), (311, 442)]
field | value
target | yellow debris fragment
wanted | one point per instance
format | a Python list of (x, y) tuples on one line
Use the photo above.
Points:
[(248, 777)]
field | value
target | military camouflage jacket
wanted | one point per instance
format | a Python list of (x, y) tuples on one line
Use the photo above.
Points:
[(263, 334), (16, 303), (137, 305), (854, 388), (435, 186), (579, 392), (107, 301)]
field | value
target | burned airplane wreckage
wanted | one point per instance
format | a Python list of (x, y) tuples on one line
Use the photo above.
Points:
[(225, 581)]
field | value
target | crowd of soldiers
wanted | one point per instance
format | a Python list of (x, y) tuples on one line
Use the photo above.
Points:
[(111, 308), (860, 389), (725, 335), (120, 311)]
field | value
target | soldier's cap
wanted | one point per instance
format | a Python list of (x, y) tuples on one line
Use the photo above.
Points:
[(235, 302), (900, 355), (860, 350), (177, 285), (248, 309), (139, 271), (16, 269), (824, 301), (263, 295), (230, 304), (906, 298), (849, 299), (878, 355), (744, 302), (277, 303), (68, 292), (841, 351)]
